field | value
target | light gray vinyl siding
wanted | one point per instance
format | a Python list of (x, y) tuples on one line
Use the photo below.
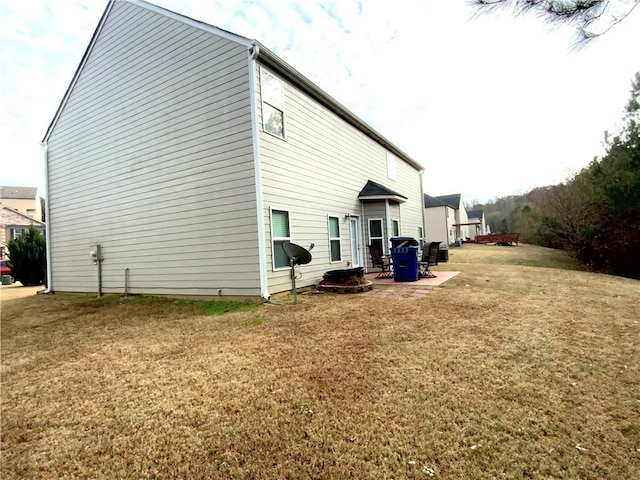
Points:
[(319, 170), (152, 158)]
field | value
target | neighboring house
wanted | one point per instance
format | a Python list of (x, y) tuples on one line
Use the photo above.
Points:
[(191, 154), (477, 224), (22, 199), (14, 224), (445, 218)]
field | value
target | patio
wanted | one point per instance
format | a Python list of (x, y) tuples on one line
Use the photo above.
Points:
[(388, 287)]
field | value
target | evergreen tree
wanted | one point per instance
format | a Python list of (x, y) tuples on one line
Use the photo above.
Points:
[(28, 258)]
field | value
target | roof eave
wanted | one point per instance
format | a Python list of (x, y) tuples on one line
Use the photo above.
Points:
[(395, 198), (270, 59)]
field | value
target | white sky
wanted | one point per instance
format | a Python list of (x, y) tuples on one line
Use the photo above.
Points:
[(491, 106)]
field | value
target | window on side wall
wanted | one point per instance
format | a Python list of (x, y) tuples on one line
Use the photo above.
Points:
[(335, 242), (17, 232), (421, 237), (375, 233), (272, 104), (280, 233), (391, 166), (396, 227)]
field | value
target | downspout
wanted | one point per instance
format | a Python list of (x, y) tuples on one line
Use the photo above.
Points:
[(446, 226), (254, 51), (423, 210), (387, 214), (45, 150)]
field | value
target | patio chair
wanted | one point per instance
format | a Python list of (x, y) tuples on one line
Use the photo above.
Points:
[(378, 260), (429, 257)]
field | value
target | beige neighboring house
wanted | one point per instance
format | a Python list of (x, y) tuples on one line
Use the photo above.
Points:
[(234, 152), (446, 219), (477, 224), (22, 199), (14, 224)]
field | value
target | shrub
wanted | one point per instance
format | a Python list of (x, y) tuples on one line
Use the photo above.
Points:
[(28, 258)]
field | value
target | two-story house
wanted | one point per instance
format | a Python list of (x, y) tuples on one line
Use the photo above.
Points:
[(190, 154), (446, 219), (22, 199)]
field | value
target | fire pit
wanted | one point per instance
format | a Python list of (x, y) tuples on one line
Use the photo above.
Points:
[(346, 280)]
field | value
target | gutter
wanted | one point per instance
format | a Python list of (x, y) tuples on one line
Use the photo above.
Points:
[(49, 289)]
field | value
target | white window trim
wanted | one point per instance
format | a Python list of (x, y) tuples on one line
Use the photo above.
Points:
[(391, 166), (333, 239), (421, 237), (371, 238), (280, 109), (278, 239), (15, 234), (395, 221)]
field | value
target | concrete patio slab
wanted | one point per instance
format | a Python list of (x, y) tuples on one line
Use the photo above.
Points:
[(389, 288)]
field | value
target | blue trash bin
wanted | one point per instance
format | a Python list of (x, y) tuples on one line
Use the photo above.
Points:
[(405, 264)]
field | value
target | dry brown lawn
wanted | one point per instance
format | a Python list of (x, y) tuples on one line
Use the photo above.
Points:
[(507, 372)]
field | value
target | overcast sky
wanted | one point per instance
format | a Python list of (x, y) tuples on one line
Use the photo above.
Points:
[(491, 106)]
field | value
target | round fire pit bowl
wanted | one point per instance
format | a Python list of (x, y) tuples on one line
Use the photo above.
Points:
[(342, 275)]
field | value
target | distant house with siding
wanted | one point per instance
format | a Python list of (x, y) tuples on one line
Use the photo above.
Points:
[(445, 218), (22, 199), (14, 224), (191, 154), (477, 223)]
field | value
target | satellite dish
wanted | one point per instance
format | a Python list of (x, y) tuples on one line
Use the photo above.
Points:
[(299, 255)]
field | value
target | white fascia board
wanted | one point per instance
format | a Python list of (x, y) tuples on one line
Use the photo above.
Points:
[(192, 22), (384, 197)]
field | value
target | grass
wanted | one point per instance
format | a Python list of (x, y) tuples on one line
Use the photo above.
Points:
[(509, 371)]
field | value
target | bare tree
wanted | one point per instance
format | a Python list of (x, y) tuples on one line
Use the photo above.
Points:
[(591, 18)]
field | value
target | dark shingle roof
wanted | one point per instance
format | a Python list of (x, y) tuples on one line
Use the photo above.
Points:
[(18, 192), (375, 190), (451, 200), (430, 201), (475, 214)]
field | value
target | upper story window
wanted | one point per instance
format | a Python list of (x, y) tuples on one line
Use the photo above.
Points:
[(391, 166), (272, 104)]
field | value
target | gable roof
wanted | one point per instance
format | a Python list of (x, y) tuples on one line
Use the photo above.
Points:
[(257, 51), (13, 218), (475, 214), (18, 192), (430, 202), (375, 191), (451, 200)]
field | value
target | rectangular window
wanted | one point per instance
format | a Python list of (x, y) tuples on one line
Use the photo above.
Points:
[(335, 244), (396, 227), (391, 166), (31, 213), (17, 232), (272, 104), (280, 233), (421, 237), (375, 233)]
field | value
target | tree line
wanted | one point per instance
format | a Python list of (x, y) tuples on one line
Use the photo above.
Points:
[(595, 214)]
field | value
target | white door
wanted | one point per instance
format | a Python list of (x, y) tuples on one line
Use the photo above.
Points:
[(356, 241)]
